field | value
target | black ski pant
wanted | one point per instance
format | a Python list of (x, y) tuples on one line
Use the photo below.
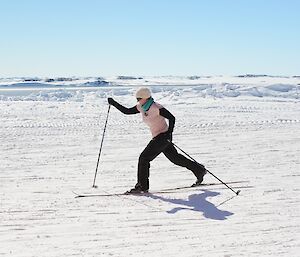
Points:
[(157, 145)]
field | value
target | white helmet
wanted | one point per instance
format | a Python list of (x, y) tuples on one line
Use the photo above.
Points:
[(143, 92)]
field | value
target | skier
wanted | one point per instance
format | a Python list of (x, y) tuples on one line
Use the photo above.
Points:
[(155, 115)]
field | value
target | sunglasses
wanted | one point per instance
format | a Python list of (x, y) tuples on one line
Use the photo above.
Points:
[(139, 99)]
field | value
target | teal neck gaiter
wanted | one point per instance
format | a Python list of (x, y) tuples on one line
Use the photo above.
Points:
[(146, 106)]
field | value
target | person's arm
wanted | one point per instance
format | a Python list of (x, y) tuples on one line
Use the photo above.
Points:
[(121, 108), (169, 116)]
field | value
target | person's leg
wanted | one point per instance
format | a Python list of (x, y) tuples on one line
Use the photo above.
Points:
[(198, 169), (152, 150)]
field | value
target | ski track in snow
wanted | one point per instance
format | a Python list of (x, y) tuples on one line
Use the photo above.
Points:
[(50, 148)]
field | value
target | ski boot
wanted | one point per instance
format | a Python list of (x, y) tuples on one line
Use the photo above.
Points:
[(137, 190), (199, 179)]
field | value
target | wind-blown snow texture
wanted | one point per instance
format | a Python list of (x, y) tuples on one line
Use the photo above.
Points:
[(242, 128)]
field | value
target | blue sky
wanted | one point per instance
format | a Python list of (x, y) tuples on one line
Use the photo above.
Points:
[(149, 37)]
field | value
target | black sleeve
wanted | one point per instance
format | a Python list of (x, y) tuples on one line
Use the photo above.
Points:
[(123, 109), (166, 114)]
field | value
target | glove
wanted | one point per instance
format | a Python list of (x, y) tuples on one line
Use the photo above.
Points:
[(169, 136), (111, 101)]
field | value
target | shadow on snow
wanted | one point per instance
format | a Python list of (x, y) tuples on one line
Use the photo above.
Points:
[(198, 203)]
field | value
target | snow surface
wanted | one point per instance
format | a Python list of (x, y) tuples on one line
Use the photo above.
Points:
[(242, 128)]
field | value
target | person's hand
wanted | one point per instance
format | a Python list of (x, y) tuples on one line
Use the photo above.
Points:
[(111, 101), (169, 136)]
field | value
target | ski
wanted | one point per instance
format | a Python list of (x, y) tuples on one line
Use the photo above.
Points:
[(202, 185), (163, 191), (93, 195)]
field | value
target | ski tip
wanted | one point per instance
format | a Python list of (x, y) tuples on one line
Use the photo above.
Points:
[(79, 196)]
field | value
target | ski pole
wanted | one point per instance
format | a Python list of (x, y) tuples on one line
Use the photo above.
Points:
[(101, 147), (236, 192)]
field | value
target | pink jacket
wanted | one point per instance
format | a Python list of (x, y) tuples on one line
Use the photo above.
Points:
[(153, 119)]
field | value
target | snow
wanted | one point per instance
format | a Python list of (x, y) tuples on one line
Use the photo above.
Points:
[(243, 129), (62, 89)]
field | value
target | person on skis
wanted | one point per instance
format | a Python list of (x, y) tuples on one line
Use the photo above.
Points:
[(155, 116)]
